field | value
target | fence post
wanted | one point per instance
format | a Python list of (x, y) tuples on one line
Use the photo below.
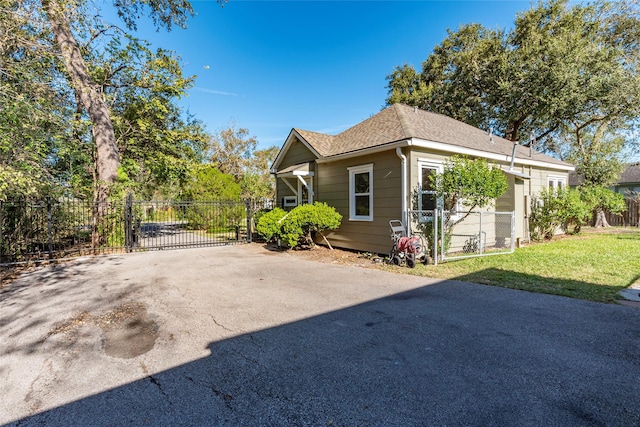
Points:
[(513, 231), (1, 231), (249, 216), (435, 237), (480, 236), (49, 226), (128, 223)]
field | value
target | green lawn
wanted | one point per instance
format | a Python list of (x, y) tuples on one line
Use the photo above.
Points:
[(593, 266)]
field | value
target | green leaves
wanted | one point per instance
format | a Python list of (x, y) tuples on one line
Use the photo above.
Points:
[(298, 226), (604, 199), (233, 151), (566, 73), (474, 183), (563, 208), (208, 183)]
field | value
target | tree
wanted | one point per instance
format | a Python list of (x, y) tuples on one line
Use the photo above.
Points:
[(257, 183), (46, 129), (60, 15), (566, 75), (107, 158), (471, 182), (602, 199), (457, 78), (231, 149), (157, 144), (209, 183), (234, 152), (33, 114)]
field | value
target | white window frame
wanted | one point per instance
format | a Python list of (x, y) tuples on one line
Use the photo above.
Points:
[(553, 182), (303, 184), (353, 171), (438, 166), (290, 201)]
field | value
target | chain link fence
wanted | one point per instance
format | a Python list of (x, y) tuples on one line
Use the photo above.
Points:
[(457, 235)]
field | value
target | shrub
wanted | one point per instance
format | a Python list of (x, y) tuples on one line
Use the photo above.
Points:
[(551, 210), (544, 220), (306, 220), (573, 210), (299, 225), (269, 224), (259, 213)]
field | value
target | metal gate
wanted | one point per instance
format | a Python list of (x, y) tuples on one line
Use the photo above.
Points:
[(457, 235), (36, 230)]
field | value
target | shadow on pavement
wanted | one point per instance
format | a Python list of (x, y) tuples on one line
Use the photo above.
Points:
[(446, 354)]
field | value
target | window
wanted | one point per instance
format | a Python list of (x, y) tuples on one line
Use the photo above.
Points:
[(556, 183), (427, 197), (289, 201), (361, 193)]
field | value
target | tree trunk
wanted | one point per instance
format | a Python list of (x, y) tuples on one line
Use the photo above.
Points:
[(601, 219), (107, 159), (102, 128)]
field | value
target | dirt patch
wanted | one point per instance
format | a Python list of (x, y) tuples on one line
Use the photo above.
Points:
[(128, 330), (338, 256)]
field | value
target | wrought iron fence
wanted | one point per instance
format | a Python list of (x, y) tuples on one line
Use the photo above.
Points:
[(35, 230)]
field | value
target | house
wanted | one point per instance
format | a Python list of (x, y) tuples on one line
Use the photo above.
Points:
[(628, 182), (368, 171)]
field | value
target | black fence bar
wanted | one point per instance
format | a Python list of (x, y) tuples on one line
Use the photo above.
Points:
[(39, 230)]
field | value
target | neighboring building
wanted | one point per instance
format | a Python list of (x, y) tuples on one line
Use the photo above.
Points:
[(368, 171), (629, 180)]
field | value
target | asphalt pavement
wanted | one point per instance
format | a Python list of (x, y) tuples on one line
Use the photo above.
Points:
[(240, 335)]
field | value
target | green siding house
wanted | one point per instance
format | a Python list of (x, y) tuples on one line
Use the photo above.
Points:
[(368, 171)]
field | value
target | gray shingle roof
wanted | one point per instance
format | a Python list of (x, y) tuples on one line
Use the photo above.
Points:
[(401, 122), (630, 174)]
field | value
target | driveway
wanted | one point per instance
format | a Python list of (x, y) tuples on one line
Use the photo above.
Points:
[(239, 335)]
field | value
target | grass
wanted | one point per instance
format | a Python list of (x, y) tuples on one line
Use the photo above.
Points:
[(594, 266)]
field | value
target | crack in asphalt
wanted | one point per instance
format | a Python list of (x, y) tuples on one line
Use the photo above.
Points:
[(226, 398), (155, 382), (33, 396), (220, 324)]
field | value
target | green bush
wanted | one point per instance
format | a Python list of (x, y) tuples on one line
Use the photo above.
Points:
[(544, 219), (259, 213), (269, 224), (299, 226), (573, 210), (555, 209)]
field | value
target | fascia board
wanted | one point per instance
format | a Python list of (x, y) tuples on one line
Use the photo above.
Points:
[(292, 137), (295, 173), (421, 143)]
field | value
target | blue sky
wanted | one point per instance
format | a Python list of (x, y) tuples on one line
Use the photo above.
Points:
[(269, 66)]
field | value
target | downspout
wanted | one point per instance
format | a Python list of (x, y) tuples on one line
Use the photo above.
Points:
[(403, 186), (513, 156)]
